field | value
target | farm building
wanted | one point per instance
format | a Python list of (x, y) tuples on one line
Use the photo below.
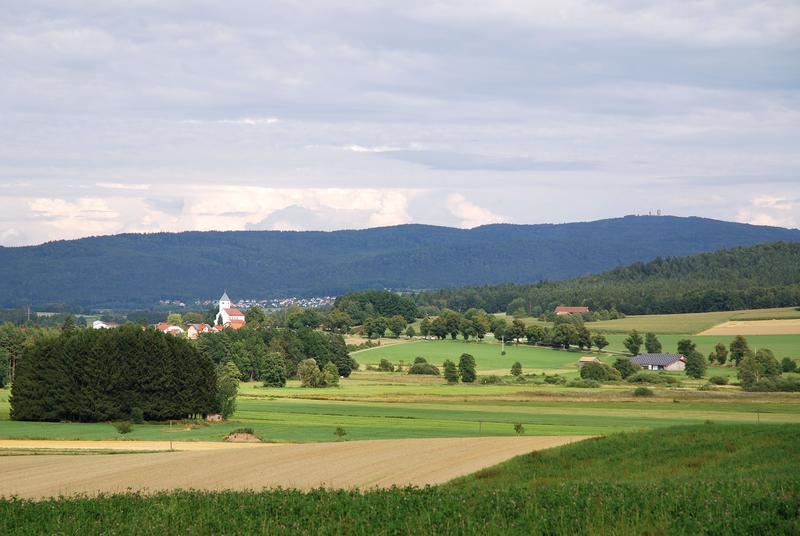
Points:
[(660, 361), (564, 310), (229, 316), (587, 359)]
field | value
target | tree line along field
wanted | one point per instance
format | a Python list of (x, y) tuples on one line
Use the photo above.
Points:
[(707, 479)]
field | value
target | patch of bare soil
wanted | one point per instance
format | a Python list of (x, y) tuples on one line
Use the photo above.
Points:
[(347, 464), (242, 437), (756, 327)]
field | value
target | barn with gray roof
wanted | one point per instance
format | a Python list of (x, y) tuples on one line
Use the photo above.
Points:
[(660, 361)]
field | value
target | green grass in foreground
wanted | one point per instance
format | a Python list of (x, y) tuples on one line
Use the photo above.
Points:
[(707, 479)]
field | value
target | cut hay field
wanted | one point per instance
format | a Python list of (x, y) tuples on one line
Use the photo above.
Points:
[(691, 323), (362, 464), (756, 327)]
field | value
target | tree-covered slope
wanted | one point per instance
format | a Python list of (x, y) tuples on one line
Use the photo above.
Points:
[(138, 269), (765, 275)]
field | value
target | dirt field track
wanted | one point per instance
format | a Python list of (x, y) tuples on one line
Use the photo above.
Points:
[(144, 446), (362, 464), (756, 327)]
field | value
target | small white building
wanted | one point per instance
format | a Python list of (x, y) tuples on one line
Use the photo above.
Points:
[(587, 359), (99, 324)]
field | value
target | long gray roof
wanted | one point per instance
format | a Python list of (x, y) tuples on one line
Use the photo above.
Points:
[(656, 359)]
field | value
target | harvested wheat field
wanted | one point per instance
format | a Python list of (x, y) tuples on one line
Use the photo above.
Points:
[(362, 464), (756, 327)]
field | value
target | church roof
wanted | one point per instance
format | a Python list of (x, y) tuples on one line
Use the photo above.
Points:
[(225, 297)]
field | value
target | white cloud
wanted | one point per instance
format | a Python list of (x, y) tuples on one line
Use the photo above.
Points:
[(61, 218), (252, 121), (470, 214), (375, 149), (122, 186), (773, 211)]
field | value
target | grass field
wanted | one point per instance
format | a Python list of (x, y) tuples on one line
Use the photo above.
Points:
[(706, 479), (372, 405)]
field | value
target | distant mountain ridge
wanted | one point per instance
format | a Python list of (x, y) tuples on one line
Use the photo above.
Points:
[(131, 270)]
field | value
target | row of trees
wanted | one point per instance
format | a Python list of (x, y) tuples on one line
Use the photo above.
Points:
[(100, 375), (273, 355)]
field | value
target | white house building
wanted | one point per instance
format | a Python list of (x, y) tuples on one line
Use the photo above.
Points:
[(229, 316)]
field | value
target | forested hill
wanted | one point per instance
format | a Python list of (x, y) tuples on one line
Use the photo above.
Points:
[(138, 269), (766, 275)]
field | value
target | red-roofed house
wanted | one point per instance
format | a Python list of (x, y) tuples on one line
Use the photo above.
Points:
[(168, 328), (194, 330), (563, 310), (228, 315)]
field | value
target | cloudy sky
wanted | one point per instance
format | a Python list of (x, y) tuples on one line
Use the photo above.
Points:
[(167, 116)]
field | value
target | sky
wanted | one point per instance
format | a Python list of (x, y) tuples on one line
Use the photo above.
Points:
[(146, 116)]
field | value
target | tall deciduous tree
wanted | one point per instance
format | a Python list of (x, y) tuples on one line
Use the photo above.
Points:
[(600, 341), (652, 344), (633, 342), (396, 325), (466, 368), (255, 316), (273, 371), (309, 373), (450, 372), (739, 349), (227, 388)]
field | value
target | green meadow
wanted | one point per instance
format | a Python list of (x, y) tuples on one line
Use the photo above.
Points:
[(376, 405)]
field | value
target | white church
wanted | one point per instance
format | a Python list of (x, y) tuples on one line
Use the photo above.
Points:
[(228, 316)]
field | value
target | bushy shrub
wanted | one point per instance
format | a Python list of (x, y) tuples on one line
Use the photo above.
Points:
[(708, 387), (419, 359), (424, 368), (626, 367), (246, 430), (788, 364), (643, 391), (652, 377), (491, 380), (718, 380), (330, 374), (590, 384), (600, 372), (309, 373), (385, 366), (123, 427), (779, 384), (555, 380)]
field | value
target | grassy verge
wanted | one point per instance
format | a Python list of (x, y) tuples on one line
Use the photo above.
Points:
[(707, 479)]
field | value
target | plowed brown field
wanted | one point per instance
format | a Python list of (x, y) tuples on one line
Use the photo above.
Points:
[(362, 464)]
